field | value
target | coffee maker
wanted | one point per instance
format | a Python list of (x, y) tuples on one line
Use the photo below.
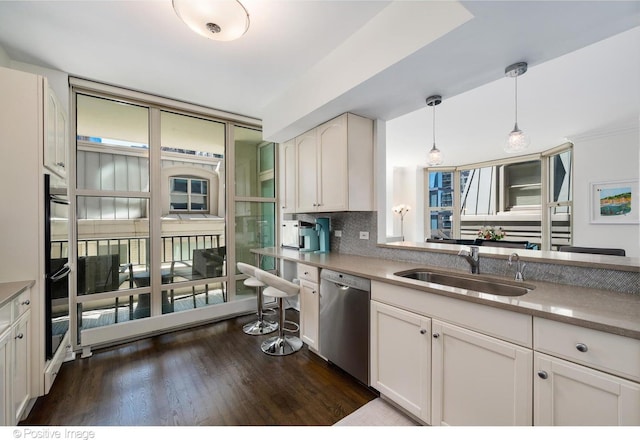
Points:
[(323, 228), (308, 237)]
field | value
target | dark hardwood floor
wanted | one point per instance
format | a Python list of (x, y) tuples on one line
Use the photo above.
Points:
[(212, 375)]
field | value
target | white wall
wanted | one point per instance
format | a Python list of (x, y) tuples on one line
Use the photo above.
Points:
[(403, 193), (4, 58), (603, 157)]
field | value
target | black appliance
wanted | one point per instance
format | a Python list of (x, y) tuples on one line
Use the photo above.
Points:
[(56, 261)]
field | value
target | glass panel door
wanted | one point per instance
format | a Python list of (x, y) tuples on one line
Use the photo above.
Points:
[(112, 210), (255, 195), (193, 249)]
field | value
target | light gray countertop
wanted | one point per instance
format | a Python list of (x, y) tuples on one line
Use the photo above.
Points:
[(10, 290), (613, 312)]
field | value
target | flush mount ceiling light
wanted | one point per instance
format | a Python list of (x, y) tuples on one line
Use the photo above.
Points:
[(222, 20), (435, 155), (517, 140)]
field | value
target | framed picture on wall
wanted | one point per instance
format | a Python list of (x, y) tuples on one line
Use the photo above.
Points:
[(615, 202)]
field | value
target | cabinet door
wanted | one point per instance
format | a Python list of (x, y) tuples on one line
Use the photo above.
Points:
[(21, 365), (479, 380), (55, 145), (5, 379), (400, 358), (306, 172), (288, 159), (309, 313), (569, 394), (333, 183)]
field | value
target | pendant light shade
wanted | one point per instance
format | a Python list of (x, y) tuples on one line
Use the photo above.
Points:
[(222, 20), (517, 141), (435, 156)]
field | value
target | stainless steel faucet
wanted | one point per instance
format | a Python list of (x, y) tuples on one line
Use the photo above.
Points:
[(515, 258), (473, 257)]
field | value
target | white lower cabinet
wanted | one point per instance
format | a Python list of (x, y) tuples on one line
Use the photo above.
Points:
[(5, 378), (309, 313), (478, 380), (568, 394), (15, 361), (448, 375), (584, 376), (309, 304), (401, 358), (21, 365), (451, 362)]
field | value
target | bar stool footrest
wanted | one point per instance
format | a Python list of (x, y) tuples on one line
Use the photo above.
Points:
[(293, 327)]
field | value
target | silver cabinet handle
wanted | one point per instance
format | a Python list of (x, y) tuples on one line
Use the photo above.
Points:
[(436, 335), (542, 374), (422, 331), (582, 348), (26, 302), (19, 336)]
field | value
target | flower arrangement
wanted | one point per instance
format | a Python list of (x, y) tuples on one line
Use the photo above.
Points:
[(491, 233), (402, 210)]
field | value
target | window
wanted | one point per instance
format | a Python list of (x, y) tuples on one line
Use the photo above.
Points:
[(528, 197), (151, 210), (188, 194), (522, 186), (441, 197)]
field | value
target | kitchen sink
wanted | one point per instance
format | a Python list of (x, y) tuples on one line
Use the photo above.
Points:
[(469, 283)]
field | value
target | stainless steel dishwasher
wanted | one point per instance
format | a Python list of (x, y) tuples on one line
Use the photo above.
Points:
[(344, 322)]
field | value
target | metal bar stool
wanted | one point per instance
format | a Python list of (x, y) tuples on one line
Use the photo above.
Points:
[(280, 288), (261, 326)]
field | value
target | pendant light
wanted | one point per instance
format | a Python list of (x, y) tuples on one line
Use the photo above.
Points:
[(222, 20), (517, 140), (435, 155)]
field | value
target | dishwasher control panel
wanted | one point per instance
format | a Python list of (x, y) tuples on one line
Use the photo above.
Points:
[(346, 279)]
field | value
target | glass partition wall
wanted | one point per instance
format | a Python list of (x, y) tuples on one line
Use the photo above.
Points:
[(152, 203)]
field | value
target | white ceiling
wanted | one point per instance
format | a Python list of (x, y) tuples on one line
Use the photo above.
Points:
[(144, 46)]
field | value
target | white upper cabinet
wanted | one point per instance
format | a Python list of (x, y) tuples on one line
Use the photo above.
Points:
[(306, 172), (57, 135), (288, 158), (332, 161), (334, 167)]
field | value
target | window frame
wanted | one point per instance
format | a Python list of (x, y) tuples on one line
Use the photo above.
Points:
[(189, 194)]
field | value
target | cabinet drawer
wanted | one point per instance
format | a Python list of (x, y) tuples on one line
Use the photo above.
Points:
[(22, 303), (615, 354), (309, 273)]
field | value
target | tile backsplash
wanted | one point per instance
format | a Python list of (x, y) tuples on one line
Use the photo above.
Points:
[(352, 223)]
